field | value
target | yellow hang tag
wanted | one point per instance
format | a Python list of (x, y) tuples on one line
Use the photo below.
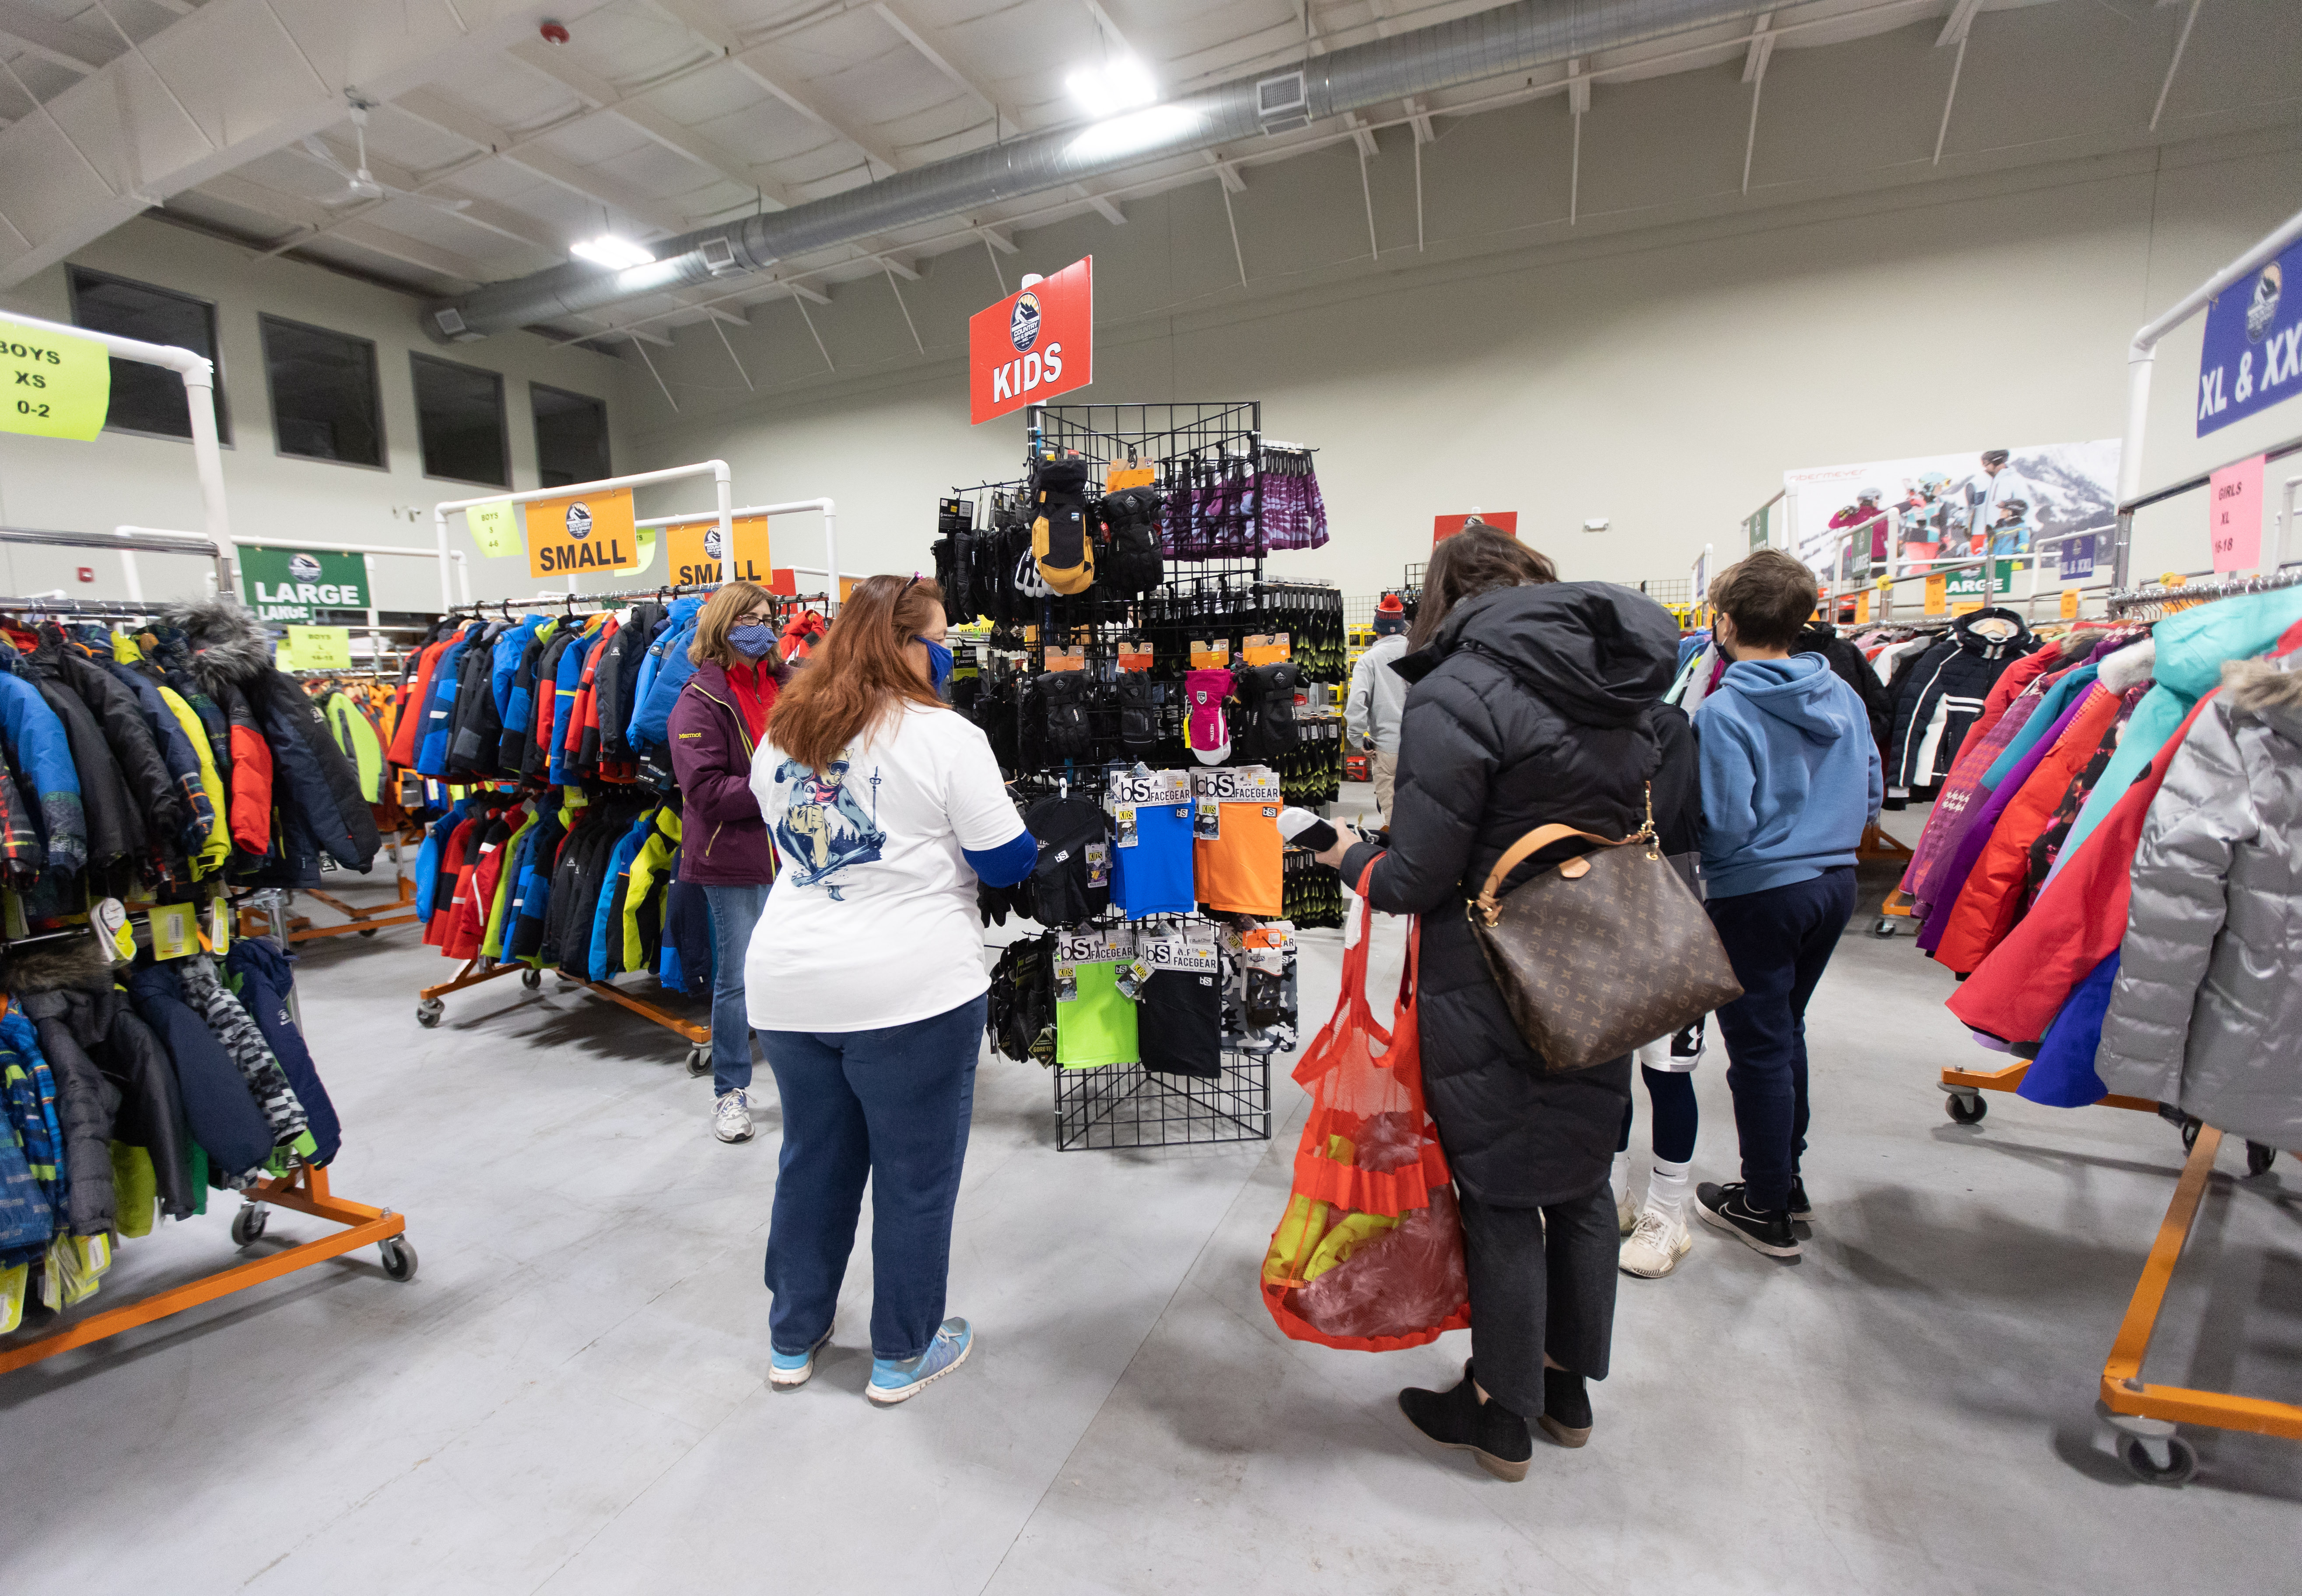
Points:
[(52, 386), (319, 647), (219, 937), (174, 931), (495, 527), (2070, 603)]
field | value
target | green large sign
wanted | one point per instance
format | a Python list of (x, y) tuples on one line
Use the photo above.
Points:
[(1966, 586), (1756, 527), (286, 585)]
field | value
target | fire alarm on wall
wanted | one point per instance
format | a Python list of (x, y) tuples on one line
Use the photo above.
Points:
[(88, 573), (554, 33)]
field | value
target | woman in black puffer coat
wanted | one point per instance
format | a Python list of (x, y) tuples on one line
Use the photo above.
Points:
[(1533, 702)]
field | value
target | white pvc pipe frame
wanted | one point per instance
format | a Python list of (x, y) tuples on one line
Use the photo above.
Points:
[(722, 484), (198, 373), (829, 509), (2142, 354)]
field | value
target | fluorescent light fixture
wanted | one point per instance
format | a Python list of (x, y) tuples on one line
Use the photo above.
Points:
[(1137, 130), (609, 250), (1120, 84)]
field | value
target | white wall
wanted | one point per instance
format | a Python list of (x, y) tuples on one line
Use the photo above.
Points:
[(1660, 363), (126, 478)]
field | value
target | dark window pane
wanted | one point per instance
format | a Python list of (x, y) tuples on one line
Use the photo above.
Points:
[(459, 416), (148, 398), (571, 436), (324, 395)]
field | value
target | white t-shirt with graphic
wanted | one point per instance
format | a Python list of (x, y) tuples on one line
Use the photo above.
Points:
[(872, 920)]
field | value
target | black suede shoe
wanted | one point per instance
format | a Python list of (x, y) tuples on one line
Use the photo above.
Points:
[(1489, 1431), (1727, 1208), (1565, 1408), (1801, 1211)]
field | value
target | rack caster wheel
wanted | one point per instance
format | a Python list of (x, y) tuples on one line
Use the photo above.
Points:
[(371, 932), (248, 1223), (428, 1012), (530, 978), (1885, 927), (2259, 1158), (2190, 1129), (399, 1259), (2181, 1460), (1967, 1108), (699, 1060)]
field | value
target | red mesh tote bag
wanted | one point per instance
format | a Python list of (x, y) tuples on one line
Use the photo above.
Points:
[(1369, 1253)]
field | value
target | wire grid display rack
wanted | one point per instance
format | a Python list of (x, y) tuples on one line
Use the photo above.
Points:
[(1358, 611), (1669, 590), (1126, 1106)]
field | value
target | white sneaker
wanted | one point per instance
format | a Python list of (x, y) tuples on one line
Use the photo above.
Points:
[(1658, 1240), (1627, 1214), (731, 1117)]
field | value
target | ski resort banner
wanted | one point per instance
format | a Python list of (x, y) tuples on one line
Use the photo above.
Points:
[(2009, 501)]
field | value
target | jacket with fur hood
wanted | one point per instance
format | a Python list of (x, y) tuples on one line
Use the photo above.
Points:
[(1529, 706), (313, 789), (2206, 1013)]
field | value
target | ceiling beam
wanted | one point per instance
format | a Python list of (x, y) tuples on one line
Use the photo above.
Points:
[(1961, 18), (900, 266), (940, 56), (399, 247), (311, 219), (761, 68), (996, 238), (1361, 134), (530, 153), (1761, 50), (1109, 211), (1419, 117), (73, 48), (1232, 183), (675, 136), (1112, 30)]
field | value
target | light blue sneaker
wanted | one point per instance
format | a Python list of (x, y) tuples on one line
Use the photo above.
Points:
[(892, 1382), (788, 1371)]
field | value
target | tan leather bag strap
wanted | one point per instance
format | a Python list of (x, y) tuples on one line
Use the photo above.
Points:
[(1526, 847)]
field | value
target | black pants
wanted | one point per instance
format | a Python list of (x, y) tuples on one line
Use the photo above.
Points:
[(1543, 1280), (1779, 941)]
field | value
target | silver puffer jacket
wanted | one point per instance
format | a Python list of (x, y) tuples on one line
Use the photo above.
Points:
[(2207, 1009)]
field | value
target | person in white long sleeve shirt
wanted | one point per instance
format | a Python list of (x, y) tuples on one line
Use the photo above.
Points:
[(1378, 697)]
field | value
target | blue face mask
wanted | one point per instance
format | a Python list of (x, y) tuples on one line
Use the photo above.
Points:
[(752, 641), (938, 661)]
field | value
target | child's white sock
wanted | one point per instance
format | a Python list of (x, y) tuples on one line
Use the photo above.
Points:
[(1666, 1189)]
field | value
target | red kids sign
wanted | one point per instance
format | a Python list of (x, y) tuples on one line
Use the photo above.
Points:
[(1037, 342)]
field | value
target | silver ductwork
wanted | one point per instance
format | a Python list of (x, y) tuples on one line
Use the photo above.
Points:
[(1490, 44)]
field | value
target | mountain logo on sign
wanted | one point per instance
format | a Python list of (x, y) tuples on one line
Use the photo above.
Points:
[(2262, 310), (579, 520), (1023, 322), (303, 568), (715, 547)]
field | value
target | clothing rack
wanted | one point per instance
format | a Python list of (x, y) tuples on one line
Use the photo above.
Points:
[(2164, 596), (304, 1190)]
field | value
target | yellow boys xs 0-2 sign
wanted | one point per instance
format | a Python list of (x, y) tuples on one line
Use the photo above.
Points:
[(593, 532)]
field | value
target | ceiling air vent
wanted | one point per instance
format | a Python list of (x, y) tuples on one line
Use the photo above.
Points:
[(1280, 104), (450, 321), (719, 256)]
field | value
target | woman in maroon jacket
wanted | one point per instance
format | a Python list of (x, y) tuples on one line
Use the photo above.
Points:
[(724, 845)]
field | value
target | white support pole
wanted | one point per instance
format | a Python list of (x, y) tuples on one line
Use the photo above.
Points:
[(723, 488), (2142, 353)]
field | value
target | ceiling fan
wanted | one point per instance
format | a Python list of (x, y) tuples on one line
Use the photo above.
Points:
[(359, 184)]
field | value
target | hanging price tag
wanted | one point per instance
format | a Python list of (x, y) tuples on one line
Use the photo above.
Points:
[(173, 932), (1937, 595), (52, 386), (495, 527), (2070, 603)]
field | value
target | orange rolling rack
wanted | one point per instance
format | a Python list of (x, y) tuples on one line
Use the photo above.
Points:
[(429, 1007), (2146, 1415)]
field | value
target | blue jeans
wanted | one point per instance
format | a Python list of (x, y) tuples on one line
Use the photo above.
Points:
[(735, 910), (891, 1105), (1779, 941)]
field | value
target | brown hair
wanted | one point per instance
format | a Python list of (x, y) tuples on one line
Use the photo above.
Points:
[(1475, 560), (859, 672), (1769, 596), (718, 614)]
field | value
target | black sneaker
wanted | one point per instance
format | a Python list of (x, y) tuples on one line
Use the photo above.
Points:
[(1489, 1431), (1565, 1408), (1726, 1208), (1801, 1211)]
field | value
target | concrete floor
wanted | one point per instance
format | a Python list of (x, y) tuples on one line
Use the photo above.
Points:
[(571, 1397)]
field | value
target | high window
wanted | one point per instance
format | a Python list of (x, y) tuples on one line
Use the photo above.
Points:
[(459, 420), (148, 398), (571, 436), (324, 402)]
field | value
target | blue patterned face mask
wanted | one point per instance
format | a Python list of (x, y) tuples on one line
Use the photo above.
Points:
[(752, 641), (938, 661)]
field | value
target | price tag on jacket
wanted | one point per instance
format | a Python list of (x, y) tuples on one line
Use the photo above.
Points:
[(175, 935)]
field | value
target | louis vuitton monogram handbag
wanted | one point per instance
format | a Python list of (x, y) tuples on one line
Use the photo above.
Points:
[(1605, 951)]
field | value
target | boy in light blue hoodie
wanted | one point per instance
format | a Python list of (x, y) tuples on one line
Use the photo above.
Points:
[(1790, 779)]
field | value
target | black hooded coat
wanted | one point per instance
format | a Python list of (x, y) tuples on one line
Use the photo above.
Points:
[(1531, 706)]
